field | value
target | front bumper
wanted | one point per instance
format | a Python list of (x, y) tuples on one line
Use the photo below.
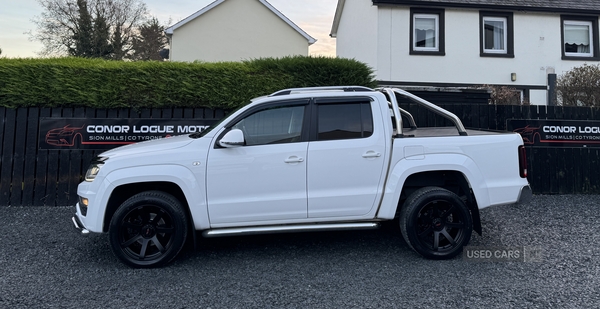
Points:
[(77, 223), (79, 226), (525, 195)]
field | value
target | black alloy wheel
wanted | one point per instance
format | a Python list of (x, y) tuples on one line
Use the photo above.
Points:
[(436, 223), (148, 230)]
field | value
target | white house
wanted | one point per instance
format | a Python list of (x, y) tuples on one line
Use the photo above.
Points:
[(234, 30), (461, 43)]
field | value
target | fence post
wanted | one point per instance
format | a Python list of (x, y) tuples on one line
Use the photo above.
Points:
[(551, 88)]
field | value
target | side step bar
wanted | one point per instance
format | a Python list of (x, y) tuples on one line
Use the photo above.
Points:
[(254, 230)]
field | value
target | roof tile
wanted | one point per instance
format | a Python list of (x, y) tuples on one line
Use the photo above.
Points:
[(590, 6)]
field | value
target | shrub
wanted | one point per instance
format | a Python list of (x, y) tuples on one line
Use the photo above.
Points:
[(505, 95), (77, 82), (579, 86)]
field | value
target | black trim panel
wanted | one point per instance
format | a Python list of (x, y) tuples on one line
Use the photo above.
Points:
[(325, 100)]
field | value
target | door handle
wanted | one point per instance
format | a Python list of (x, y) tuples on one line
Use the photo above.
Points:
[(371, 154), (294, 159)]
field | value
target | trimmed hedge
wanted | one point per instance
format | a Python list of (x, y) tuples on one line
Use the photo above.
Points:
[(77, 82)]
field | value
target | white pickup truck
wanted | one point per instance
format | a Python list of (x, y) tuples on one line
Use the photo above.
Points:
[(308, 159)]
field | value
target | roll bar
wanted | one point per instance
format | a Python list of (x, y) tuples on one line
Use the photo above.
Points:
[(391, 92)]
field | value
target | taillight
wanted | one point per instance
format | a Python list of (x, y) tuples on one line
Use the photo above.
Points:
[(522, 162)]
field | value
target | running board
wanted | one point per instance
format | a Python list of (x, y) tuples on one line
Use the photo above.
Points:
[(254, 230)]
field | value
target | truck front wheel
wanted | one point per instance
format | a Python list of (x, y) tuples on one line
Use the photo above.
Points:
[(436, 223), (148, 229)]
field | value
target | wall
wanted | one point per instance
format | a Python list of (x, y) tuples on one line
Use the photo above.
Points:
[(537, 48), (236, 30), (357, 32)]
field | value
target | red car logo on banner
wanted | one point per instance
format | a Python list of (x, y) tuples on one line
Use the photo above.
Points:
[(529, 134), (65, 136)]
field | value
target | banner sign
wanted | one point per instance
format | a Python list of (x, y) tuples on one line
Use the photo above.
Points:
[(106, 133), (557, 133)]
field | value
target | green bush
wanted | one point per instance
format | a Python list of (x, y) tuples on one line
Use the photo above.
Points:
[(77, 82)]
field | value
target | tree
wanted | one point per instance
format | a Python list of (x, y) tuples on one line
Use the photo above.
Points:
[(579, 86), (82, 35), (89, 28), (150, 41), (101, 41)]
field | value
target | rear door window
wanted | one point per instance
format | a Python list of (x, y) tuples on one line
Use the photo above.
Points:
[(340, 120)]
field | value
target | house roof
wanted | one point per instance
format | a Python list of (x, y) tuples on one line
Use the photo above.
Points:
[(559, 6), (336, 18), (169, 31)]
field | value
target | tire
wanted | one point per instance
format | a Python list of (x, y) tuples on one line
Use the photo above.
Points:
[(436, 223), (148, 230)]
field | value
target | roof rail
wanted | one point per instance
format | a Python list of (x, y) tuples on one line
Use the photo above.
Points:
[(326, 88)]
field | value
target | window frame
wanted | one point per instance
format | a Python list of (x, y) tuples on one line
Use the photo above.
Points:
[(509, 50), (266, 106), (440, 32), (594, 45)]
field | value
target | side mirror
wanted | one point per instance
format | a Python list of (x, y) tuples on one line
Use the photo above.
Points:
[(233, 138)]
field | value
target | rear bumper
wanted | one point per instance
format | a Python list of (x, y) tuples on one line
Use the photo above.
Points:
[(525, 195)]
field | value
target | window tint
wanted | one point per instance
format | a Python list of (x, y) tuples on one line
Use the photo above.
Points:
[(344, 121), (273, 126)]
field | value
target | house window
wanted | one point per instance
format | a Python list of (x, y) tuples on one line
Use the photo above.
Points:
[(579, 37), (427, 32), (496, 34)]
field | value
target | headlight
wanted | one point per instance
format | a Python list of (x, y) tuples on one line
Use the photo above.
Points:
[(94, 168)]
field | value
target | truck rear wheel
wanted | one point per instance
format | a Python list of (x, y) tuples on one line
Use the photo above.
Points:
[(148, 230), (436, 223)]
